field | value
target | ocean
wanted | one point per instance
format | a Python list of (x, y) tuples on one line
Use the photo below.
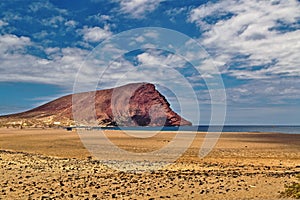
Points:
[(232, 128)]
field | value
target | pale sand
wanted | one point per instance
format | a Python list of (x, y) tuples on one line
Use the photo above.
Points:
[(53, 163)]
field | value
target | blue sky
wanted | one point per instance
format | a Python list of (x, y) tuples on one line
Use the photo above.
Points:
[(255, 46)]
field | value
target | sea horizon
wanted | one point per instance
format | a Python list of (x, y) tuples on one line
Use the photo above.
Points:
[(286, 129)]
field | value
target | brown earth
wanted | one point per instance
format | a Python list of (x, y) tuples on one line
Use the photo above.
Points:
[(136, 104), (53, 164)]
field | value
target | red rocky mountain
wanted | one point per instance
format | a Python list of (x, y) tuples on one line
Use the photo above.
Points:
[(136, 104)]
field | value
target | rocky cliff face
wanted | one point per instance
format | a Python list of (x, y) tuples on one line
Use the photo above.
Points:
[(137, 104)]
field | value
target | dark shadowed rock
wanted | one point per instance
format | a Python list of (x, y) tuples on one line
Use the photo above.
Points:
[(137, 104)]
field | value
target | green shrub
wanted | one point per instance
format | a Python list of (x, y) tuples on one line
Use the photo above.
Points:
[(292, 190)]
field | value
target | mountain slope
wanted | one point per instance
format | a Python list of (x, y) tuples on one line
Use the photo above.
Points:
[(136, 104)]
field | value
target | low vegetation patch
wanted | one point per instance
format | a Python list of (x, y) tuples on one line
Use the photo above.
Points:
[(292, 190)]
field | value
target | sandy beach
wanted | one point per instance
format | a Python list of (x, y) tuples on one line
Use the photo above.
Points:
[(54, 164)]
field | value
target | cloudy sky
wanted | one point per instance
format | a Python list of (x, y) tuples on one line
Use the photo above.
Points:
[(253, 45)]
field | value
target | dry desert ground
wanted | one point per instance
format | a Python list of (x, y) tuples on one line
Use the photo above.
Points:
[(54, 164)]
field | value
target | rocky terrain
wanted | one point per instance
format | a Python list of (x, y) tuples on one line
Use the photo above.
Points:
[(31, 176), (53, 164), (137, 104)]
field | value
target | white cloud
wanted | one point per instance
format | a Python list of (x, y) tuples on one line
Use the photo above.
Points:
[(17, 65), (54, 21), (95, 34), (210, 9), (176, 13), (155, 58), (3, 23), (266, 91), (36, 6), (52, 50), (99, 18), (71, 23), (249, 30), (13, 40), (151, 34), (244, 40), (11, 43), (61, 67), (140, 39), (105, 17), (138, 8)]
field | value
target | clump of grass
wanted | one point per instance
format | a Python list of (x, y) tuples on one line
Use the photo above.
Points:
[(292, 190)]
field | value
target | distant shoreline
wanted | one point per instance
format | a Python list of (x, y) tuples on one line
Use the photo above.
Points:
[(203, 128), (283, 129), (226, 129)]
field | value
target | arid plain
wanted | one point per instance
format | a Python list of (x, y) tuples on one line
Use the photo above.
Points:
[(54, 164)]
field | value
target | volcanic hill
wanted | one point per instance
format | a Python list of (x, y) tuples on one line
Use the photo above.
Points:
[(136, 104)]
